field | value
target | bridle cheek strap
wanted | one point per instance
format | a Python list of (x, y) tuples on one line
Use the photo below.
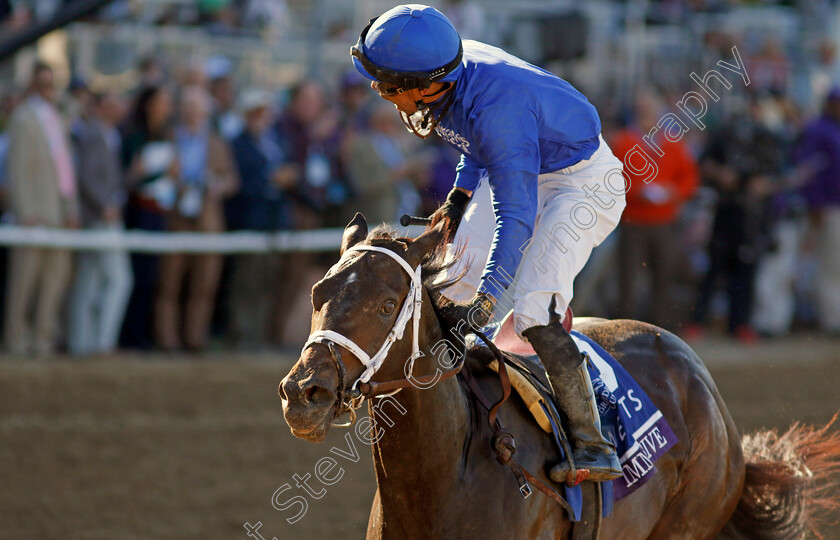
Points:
[(410, 310)]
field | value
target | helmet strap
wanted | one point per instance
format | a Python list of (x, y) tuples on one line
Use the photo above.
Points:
[(423, 122)]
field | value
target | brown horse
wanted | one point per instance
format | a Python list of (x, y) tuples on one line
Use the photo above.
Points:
[(436, 474)]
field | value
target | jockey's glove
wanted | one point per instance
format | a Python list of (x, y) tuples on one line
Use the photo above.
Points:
[(451, 211), (475, 314)]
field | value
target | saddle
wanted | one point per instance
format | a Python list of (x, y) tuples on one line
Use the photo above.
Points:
[(527, 378)]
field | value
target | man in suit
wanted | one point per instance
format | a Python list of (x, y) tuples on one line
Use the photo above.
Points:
[(42, 192), (103, 278)]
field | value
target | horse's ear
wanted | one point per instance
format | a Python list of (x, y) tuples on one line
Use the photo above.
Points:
[(424, 244), (355, 232)]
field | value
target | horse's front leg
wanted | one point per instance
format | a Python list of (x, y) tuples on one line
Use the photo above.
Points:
[(374, 528)]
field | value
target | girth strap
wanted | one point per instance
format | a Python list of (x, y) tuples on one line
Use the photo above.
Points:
[(503, 442)]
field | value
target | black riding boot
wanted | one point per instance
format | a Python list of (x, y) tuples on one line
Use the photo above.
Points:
[(571, 383)]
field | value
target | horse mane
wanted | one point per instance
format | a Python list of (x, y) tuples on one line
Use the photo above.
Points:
[(433, 266)]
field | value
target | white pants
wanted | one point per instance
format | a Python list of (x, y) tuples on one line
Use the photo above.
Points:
[(577, 208), (99, 298), (775, 302)]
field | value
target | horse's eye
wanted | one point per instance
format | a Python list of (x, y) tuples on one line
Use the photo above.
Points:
[(389, 307)]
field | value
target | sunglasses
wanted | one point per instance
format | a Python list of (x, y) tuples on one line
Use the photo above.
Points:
[(387, 89)]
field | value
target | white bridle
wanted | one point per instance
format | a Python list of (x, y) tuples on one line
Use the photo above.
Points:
[(410, 310)]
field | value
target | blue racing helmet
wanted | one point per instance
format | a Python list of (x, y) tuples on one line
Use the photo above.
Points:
[(409, 46)]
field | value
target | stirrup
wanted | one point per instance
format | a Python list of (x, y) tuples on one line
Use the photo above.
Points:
[(563, 472)]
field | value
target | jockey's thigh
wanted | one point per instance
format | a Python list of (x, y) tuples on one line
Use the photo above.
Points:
[(578, 208), (569, 223)]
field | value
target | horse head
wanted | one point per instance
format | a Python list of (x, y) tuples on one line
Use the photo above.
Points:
[(359, 304)]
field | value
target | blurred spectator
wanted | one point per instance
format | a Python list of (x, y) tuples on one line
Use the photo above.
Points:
[(649, 239), (770, 69), (193, 74), (8, 101), (825, 74), (821, 146), (260, 205), (226, 119), (76, 107), (42, 189), (739, 163), (151, 71), (309, 130), (378, 166), (207, 177), (356, 100), (774, 304), (305, 128), (775, 301), (150, 157), (103, 278)]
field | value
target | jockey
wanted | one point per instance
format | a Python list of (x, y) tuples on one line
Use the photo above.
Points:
[(536, 189)]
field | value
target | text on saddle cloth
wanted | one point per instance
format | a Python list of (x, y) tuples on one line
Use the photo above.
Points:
[(628, 417)]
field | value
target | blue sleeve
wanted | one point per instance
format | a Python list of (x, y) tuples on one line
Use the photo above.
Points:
[(507, 139), (468, 173)]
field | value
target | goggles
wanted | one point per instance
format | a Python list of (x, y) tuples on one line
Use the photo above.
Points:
[(387, 89)]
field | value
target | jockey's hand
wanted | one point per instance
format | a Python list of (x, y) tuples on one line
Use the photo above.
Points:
[(451, 211), (476, 313)]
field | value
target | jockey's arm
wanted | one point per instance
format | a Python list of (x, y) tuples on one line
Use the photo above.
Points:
[(505, 150), (515, 208), (509, 147)]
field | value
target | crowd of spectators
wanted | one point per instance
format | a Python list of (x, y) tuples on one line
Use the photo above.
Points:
[(740, 219), (740, 227), (192, 155)]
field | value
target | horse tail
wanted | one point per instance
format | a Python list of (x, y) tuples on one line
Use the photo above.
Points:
[(791, 485)]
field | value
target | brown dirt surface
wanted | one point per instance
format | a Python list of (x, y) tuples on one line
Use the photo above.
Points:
[(153, 447)]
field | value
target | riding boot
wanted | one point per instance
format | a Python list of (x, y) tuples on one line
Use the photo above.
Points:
[(570, 381)]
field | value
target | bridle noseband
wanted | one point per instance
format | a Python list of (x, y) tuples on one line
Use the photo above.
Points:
[(350, 399)]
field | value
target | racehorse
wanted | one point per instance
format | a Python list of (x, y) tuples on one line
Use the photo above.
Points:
[(437, 477)]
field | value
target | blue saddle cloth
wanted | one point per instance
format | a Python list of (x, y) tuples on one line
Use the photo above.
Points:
[(638, 430)]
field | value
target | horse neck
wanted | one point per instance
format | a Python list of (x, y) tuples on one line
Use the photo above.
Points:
[(420, 452)]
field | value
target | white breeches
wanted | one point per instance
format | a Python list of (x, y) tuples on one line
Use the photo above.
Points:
[(578, 207)]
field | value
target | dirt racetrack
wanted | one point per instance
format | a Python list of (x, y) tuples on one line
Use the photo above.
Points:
[(156, 448)]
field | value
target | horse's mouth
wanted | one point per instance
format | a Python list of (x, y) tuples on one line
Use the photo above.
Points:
[(307, 428), (315, 435)]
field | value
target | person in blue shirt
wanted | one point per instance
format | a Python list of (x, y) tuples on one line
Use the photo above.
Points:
[(536, 189)]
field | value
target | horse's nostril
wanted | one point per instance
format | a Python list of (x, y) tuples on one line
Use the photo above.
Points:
[(317, 394), (281, 392)]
